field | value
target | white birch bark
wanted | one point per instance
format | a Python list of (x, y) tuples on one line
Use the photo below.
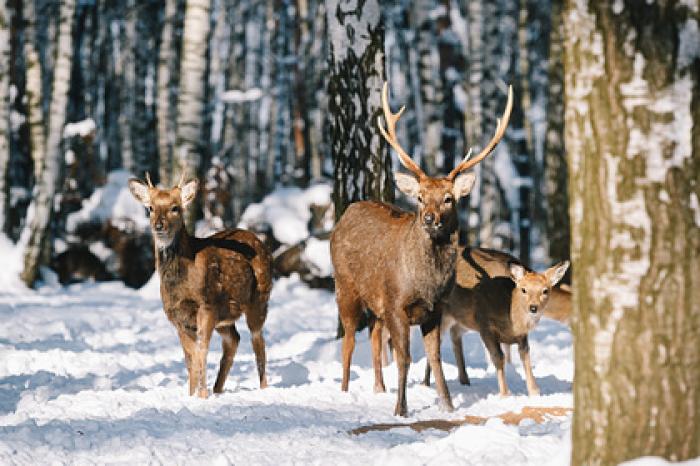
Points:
[(42, 204), (4, 108), (166, 131)]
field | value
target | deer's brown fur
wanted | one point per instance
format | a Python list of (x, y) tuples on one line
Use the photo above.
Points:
[(207, 283), (400, 265), (503, 309)]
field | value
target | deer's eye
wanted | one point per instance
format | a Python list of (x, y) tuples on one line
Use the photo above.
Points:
[(545, 292), (420, 198), (524, 291), (448, 200), (175, 209), (150, 209)]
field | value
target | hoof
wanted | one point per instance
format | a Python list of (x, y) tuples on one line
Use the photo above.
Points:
[(534, 392), (379, 389), (203, 393)]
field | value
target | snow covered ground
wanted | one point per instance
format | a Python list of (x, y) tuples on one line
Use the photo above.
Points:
[(94, 373)]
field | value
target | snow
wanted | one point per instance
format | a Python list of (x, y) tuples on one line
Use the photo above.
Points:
[(317, 253), (112, 202), (94, 373), (79, 128), (286, 210)]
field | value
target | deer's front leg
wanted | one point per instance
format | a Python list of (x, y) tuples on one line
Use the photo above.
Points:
[(524, 348), (205, 327), (494, 349), (431, 340)]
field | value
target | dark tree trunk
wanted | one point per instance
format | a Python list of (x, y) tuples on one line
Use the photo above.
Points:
[(632, 83)]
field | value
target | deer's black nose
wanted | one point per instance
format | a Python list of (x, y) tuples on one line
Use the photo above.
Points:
[(533, 309), (158, 226), (428, 219)]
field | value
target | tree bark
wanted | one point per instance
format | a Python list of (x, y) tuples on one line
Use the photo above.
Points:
[(190, 106), (362, 165), (33, 89), (632, 84), (555, 177), (47, 184), (164, 117), (4, 109)]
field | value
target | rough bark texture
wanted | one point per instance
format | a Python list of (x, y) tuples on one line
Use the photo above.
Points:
[(356, 63), (555, 175), (33, 89), (48, 182), (632, 80)]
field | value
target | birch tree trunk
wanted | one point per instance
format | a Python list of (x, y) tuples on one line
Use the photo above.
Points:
[(632, 83), (48, 182), (190, 106), (164, 119), (362, 165), (33, 89), (4, 109)]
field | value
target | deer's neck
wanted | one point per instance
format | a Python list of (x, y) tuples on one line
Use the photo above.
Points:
[(170, 259)]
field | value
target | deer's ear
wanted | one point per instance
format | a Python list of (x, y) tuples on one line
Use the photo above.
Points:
[(556, 272), (188, 192), (517, 272), (463, 184), (140, 191), (407, 184)]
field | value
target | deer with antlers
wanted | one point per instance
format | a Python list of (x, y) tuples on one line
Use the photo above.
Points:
[(401, 265), (206, 283)]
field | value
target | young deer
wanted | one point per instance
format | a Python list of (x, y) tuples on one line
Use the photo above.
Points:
[(399, 264), (503, 309), (207, 283)]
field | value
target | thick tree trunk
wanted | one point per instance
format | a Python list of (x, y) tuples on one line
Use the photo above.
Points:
[(632, 83), (47, 184), (555, 176), (190, 106), (356, 64), (4, 108)]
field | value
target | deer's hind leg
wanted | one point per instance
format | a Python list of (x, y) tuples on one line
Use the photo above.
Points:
[(229, 343), (189, 348), (255, 318), (375, 330), (350, 310)]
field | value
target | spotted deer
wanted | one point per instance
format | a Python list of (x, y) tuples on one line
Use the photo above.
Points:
[(503, 309), (206, 283), (399, 264)]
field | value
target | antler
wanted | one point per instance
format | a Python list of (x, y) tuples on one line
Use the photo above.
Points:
[(148, 180), (390, 133), (182, 179), (501, 125)]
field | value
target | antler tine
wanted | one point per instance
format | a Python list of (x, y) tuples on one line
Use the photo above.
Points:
[(182, 179), (148, 180), (390, 133), (501, 125)]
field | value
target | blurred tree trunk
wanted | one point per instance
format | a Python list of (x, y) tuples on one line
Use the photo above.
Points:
[(362, 165), (632, 83), (555, 176), (4, 108), (190, 106), (47, 183), (429, 109), (33, 89), (164, 114), (125, 70)]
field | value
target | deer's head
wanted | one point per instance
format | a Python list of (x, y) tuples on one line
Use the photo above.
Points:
[(165, 207), (437, 197), (532, 290)]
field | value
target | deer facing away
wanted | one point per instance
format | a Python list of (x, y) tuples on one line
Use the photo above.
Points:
[(206, 283), (503, 309), (400, 265)]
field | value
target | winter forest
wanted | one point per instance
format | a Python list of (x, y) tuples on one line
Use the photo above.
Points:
[(583, 121)]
